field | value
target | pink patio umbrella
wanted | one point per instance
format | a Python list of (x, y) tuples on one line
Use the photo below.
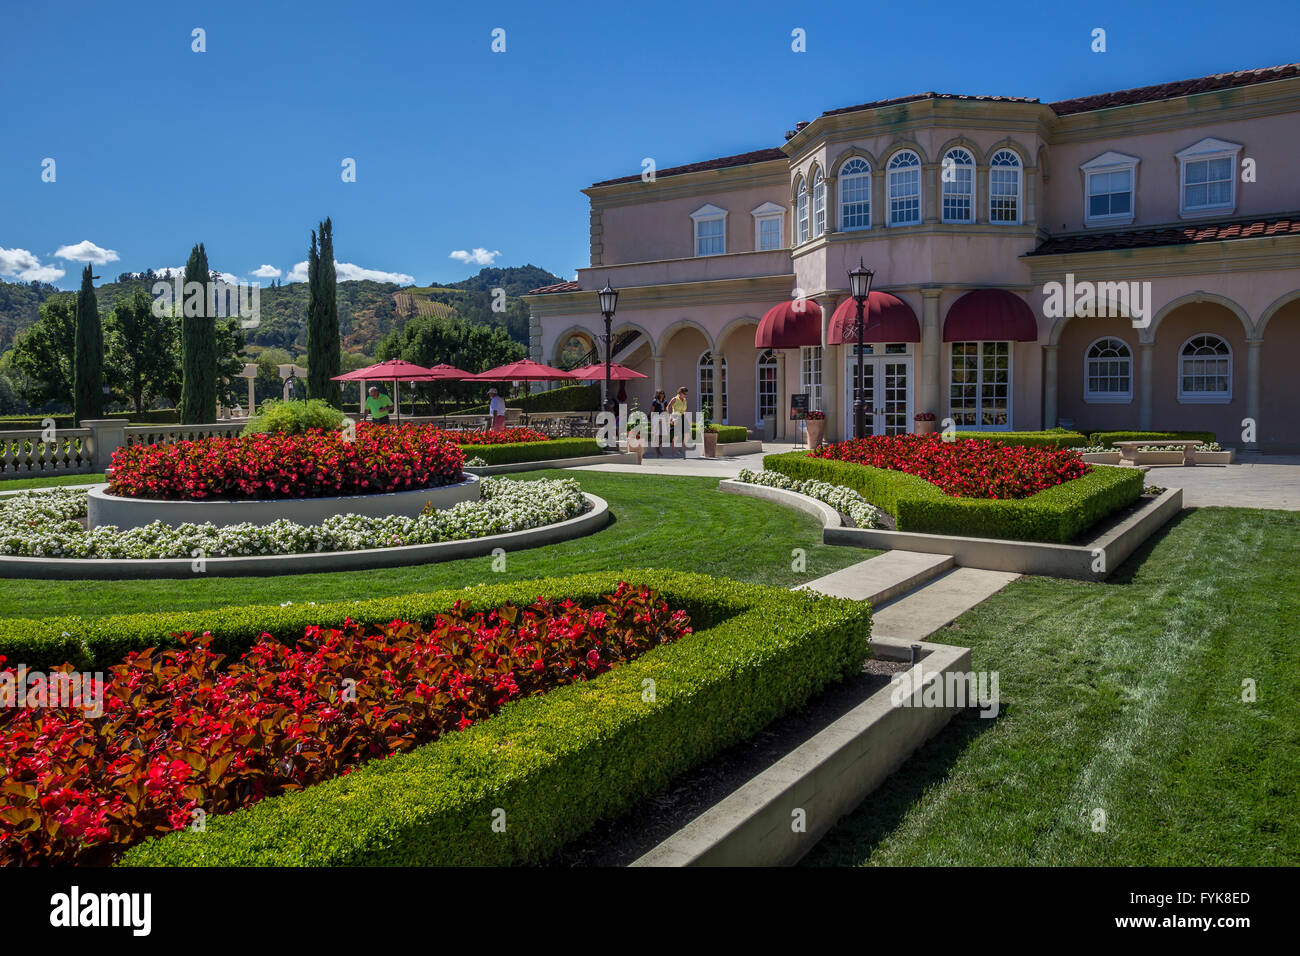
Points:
[(525, 370), (442, 372), (392, 369), (617, 373)]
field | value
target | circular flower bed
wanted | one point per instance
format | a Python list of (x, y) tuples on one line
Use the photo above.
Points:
[(968, 468), (315, 464), (49, 524), (175, 732)]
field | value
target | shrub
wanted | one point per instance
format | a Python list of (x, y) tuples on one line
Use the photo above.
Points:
[(1056, 438), (558, 763), (175, 732), (730, 433), (1112, 438), (294, 418), (518, 452), (381, 458), (1059, 514)]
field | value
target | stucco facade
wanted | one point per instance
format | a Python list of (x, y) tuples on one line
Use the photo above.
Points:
[(1183, 193)]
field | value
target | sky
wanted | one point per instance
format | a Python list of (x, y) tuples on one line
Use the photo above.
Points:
[(464, 156)]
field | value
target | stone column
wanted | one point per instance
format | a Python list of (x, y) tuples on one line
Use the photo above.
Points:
[(982, 195), (930, 372), (1253, 352), (107, 435), (831, 359), (879, 204), (659, 373), (1146, 371), (1049, 386), (930, 193)]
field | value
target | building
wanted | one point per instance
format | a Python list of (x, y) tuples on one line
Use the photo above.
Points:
[(1170, 213)]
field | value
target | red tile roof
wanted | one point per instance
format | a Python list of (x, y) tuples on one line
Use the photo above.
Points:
[(1165, 91), (570, 286), (1172, 235), (931, 96), (743, 159)]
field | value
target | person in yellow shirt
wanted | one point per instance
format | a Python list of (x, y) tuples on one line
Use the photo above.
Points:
[(676, 410)]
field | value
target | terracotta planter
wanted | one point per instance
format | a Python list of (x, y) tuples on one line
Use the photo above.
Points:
[(710, 444), (924, 428), (816, 429), (637, 448)]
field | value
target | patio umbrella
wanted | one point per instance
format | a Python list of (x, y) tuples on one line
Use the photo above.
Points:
[(392, 369), (595, 372), (525, 370), (442, 372)]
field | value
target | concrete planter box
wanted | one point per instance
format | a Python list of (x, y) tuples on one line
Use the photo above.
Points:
[(1159, 457), (1102, 457), (1214, 457), (733, 448), (105, 509)]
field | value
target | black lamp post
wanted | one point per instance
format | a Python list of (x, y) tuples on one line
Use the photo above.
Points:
[(860, 287), (608, 302)]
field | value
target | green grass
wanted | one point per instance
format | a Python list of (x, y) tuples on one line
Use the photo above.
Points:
[(674, 523), (1124, 696), (50, 481)]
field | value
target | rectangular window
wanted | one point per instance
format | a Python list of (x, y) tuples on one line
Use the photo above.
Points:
[(1208, 183), (1110, 194), (855, 202), (1004, 195), (769, 233), (958, 190), (904, 197), (979, 385), (810, 375), (709, 240)]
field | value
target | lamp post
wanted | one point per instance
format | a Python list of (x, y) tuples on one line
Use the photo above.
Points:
[(608, 302), (860, 287)]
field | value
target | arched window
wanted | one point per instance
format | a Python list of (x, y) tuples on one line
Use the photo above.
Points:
[(704, 386), (1004, 187), (766, 385), (801, 212), (903, 180), (819, 204), (958, 175), (1205, 370), (855, 194), (1108, 372)]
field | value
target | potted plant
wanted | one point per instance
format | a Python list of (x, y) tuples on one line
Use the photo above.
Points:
[(710, 432), (815, 422), (924, 422), (1212, 454), (638, 428)]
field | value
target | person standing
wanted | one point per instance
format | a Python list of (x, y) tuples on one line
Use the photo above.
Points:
[(658, 410), (378, 406), (496, 409), (677, 410)]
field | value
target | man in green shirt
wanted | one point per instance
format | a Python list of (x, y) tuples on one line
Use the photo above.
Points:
[(378, 406)]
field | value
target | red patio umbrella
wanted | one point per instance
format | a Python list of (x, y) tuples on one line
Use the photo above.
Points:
[(391, 369), (525, 370), (595, 372)]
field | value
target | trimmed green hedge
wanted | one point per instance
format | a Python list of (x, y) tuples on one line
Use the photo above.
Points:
[(515, 452), (1110, 438), (566, 398), (731, 433), (1059, 514), (1056, 438), (559, 763)]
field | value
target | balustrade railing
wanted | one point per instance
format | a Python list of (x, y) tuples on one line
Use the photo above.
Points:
[(32, 452)]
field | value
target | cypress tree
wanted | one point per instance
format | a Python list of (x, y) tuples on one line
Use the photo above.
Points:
[(324, 359), (198, 404), (88, 353)]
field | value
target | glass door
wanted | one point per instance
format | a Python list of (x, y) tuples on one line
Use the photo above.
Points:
[(888, 391), (868, 395)]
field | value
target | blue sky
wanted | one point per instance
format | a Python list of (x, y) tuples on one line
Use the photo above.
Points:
[(461, 149)]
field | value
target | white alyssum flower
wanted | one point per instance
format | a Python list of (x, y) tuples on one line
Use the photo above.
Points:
[(845, 500)]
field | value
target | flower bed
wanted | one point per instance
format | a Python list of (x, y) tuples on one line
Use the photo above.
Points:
[(311, 465), (965, 468), (494, 436), (177, 733), (48, 524), (846, 500)]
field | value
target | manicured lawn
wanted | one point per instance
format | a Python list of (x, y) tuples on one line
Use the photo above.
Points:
[(50, 481), (679, 524), (1124, 696)]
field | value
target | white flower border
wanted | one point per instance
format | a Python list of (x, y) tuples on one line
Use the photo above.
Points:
[(846, 500)]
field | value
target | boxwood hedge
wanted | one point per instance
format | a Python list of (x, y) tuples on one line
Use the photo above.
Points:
[(1056, 438), (1060, 514), (514, 452), (731, 433), (548, 768), (1111, 438)]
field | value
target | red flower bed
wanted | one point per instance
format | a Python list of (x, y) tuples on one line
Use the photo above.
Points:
[(312, 465), (179, 734), (497, 436), (969, 468)]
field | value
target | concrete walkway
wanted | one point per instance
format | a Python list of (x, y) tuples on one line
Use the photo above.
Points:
[(1254, 481), (651, 464)]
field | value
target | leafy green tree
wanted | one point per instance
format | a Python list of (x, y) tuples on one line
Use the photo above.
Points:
[(429, 339), (198, 399), (229, 362), (143, 357), (323, 344), (88, 352), (43, 355)]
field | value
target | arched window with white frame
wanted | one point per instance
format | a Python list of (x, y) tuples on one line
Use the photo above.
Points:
[(854, 186), (819, 204), (717, 404), (765, 385), (801, 212), (903, 184), (1205, 370), (957, 173), (1005, 181), (1108, 372)]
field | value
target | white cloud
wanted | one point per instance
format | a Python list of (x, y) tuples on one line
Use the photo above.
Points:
[(229, 278), (266, 272), (170, 271), (87, 251), (479, 257), (21, 264), (348, 272)]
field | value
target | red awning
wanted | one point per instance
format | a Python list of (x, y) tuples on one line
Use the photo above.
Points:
[(790, 325), (887, 318), (990, 315)]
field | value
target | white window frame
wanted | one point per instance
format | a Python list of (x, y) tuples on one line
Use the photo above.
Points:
[(810, 375), (766, 358), (979, 386), (818, 204), (801, 212), (944, 184), (1110, 162), (720, 369), (1204, 398), (709, 213), (1107, 398), (1020, 187), (892, 171), (852, 178), (768, 212), (1203, 152)]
